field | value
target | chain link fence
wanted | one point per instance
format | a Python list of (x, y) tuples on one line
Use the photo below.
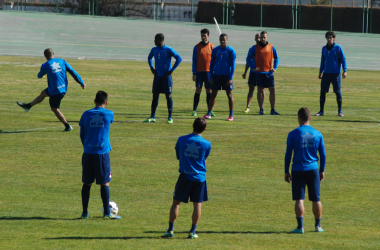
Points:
[(339, 15)]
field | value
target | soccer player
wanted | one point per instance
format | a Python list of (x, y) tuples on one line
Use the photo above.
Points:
[(55, 69), (201, 67), (252, 77), (192, 151), (306, 142), (94, 133), (331, 61), (162, 82), (222, 68), (266, 60)]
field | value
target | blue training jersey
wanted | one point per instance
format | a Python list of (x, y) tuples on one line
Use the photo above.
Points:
[(94, 130), (251, 59), (192, 151), (305, 141), (223, 61), (332, 60), (162, 59), (56, 69)]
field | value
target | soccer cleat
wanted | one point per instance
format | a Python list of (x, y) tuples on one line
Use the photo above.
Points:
[(320, 113), (298, 231), (84, 216), (24, 106), (230, 119), (262, 112), (194, 113), (192, 236), (111, 217), (274, 112), (212, 114), (318, 229), (69, 128), (170, 120), (206, 117), (150, 119), (246, 110), (168, 234), (340, 114)]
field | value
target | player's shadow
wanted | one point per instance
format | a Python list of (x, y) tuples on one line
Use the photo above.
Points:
[(222, 232), (33, 218), (357, 121), (100, 238), (22, 131)]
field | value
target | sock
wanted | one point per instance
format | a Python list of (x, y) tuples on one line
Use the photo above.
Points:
[(231, 113), (154, 108), (339, 101), (317, 222), (193, 228), (322, 100), (67, 125), (169, 102), (85, 197), (196, 101), (209, 112), (300, 222), (28, 105), (105, 194), (208, 97), (171, 227)]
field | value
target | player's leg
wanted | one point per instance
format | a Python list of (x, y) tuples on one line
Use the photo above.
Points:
[(230, 104), (298, 193), (313, 186), (208, 88), (325, 85), (55, 104), (40, 98), (168, 93), (211, 104), (197, 212), (198, 195), (156, 90), (88, 177), (336, 87), (198, 91), (249, 97), (260, 99)]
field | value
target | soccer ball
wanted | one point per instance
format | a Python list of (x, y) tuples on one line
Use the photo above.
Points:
[(113, 208)]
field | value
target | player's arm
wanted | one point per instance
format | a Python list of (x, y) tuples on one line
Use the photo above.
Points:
[(344, 63), (233, 60), (208, 150), (322, 158), (275, 60), (41, 73), (250, 60), (194, 63), (244, 75), (322, 65), (75, 75), (150, 62), (212, 62), (81, 130), (177, 150), (288, 159)]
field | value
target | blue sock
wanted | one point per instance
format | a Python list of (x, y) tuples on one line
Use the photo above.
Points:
[(196, 101), (300, 222), (322, 100), (171, 227), (231, 113), (85, 197), (105, 194), (208, 97), (169, 102), (209, 112), (154, 107), (339, 101), (193, 228), (317, 222)]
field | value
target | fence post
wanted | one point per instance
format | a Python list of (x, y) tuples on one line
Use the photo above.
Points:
[(25, 5), (363, 17), (93, 7), (367, 13), (97, 8), (261, 13), (21, 5), (371, 17), (192, 9), (331, 16), (223, 12), (230, 11)]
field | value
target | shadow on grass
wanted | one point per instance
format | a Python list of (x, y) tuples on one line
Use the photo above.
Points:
[(357, 121), (33, 218), (222, 232), (99, 238)]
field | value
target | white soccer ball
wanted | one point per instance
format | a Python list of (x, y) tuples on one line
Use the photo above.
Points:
[(114, 209)]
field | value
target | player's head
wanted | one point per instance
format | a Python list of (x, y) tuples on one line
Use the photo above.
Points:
[(48, 53), (159, 39), (199, 125), (205, 34), (263, 37), (223, 39), (330, 37), (101, 98), (304, 115), (257, 38)]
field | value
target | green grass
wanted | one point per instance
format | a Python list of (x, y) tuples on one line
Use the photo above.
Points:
[(250, 203)]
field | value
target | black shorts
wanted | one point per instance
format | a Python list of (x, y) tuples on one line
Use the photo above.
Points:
[(197, 191)]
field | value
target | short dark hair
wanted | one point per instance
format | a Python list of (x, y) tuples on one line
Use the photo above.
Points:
[(205, 31), (160, 37), (101, 97), (223, 35), (304, 114), (330, 33), (263, 32), (199, 125), (48, 53)]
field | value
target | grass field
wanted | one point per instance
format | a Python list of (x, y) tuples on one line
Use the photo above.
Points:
[(250, 204)]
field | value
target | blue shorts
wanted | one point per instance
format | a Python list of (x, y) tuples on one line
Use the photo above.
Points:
[(265, 80), (197, 191), (202, 77), (252, 78), (96, 166), (301, 179), (328, 78), (221, 82), (55, 100), (162, 84)]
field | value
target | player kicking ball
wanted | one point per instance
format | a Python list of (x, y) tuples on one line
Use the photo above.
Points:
[(162, 82), (306, 142), (222, 68), (55, 69), (94, 133), (192, 151)]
